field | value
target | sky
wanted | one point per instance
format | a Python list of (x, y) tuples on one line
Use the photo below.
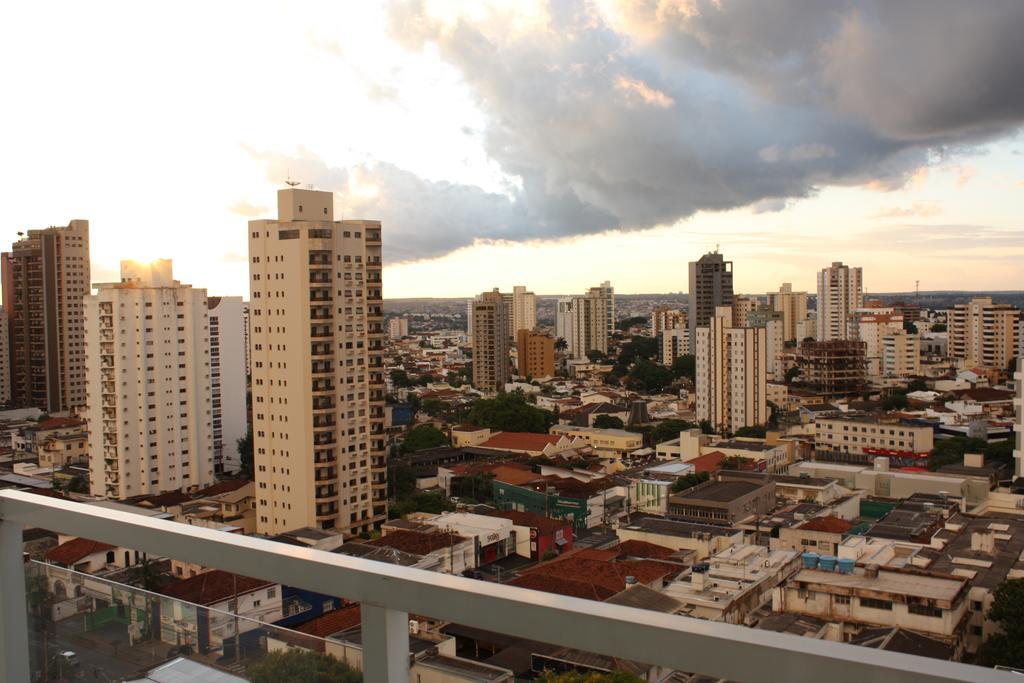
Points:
[(555, 145)]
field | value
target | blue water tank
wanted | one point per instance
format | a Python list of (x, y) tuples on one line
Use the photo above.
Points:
[(846, 565), (810, 560), (827, 563)]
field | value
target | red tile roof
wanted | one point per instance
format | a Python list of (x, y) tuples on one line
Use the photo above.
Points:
[(226, 486), (59, 423), (633, 548), (829, 523), (520, 441), (544, 525), (417, 542), (564, 586), (212, 587), (332, 622), (712, 462), (76, 550), (596, 571)]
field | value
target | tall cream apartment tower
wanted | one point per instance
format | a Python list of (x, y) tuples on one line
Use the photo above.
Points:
[(666, 318), (1018, 425), (793, 307), (840, 294), (228, 341), (982, 333), (731, 373), (901, 354), (149, 412), (591, 319), (45, 276), (491, 370), (523, 311), (317, 335), (873, 325)]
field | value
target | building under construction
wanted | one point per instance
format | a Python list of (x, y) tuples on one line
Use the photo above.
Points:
[(833, 368)]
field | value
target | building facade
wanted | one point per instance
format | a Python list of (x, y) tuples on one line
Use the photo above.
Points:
[(150, 413), (674, 343), (666, 318), (710, 287), (398, 328), (535, 353), (227, 380), (490, 343), (901, 354), (731, 373), (523, 313), (5, 359), (793, 307), (317, 376), (871, 436), (873, 325), (982, 333), (591, 320), (45, 276), (840, 294)]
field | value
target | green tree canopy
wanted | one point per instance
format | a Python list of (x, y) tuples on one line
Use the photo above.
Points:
[(685, 366), (301, 665), (649, 376), (689, 480), (245, 453), (423, 436), (668, 430), (400, 378), (636, 348), (561, 344), (608, 422), (1006, 648), (432, 503), (792, 374), (401, 481), (510, 413), (895, 402), (753, 431), (627, 323), (951, 451)]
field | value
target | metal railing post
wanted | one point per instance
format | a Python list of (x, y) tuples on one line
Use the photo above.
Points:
[(385, 644), (14, 664)]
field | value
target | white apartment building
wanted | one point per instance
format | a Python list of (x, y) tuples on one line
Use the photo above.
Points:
[(793, 307), (867, 435), (674, 343), (398, 328), (150, 413), (5, 360), (591, 320), (563, 321), (523, 311), (840, 294), (901, 354), (317, 376), (491, 369), (608, 293), (983, 333), (227, 379), (873, 325), (248, 339), (731, 373)]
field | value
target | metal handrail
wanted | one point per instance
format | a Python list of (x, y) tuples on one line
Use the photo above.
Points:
[(389, 593)]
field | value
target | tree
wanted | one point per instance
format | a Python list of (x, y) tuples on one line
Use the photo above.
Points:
[(895, 402), (733, 462), (689, 480), (706, 427), (434, 407), (561, 344), (627, 323), (245, 451), (753, 432), (423, 436), (400, 378), (608, 422), (302, 665), (668, 430), (951, 451), (401, 481), (638, 347), (1006, 648), (938, 327), (477, 487), (432, 503), (77, 485), (910, 327), (917, 385), (792, 374), (425, 379), (685, 366), (596, 356), (510, 413), (649, 376)]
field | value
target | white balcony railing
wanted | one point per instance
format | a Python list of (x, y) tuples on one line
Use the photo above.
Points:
[(389, 593)]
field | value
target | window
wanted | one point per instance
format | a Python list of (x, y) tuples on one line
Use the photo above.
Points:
[(924, 610), (271, 592), (876, 604), (842, 599)]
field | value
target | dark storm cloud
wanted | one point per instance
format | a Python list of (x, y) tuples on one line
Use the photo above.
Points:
[(673, 107)]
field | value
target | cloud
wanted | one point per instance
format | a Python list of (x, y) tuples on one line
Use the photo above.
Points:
[(244, 208), (920, 209), (632, 115)]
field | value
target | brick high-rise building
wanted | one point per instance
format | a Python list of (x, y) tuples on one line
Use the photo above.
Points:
[(535, 353), (317, 335), (45, 276), (150, 411), (491, 369)]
